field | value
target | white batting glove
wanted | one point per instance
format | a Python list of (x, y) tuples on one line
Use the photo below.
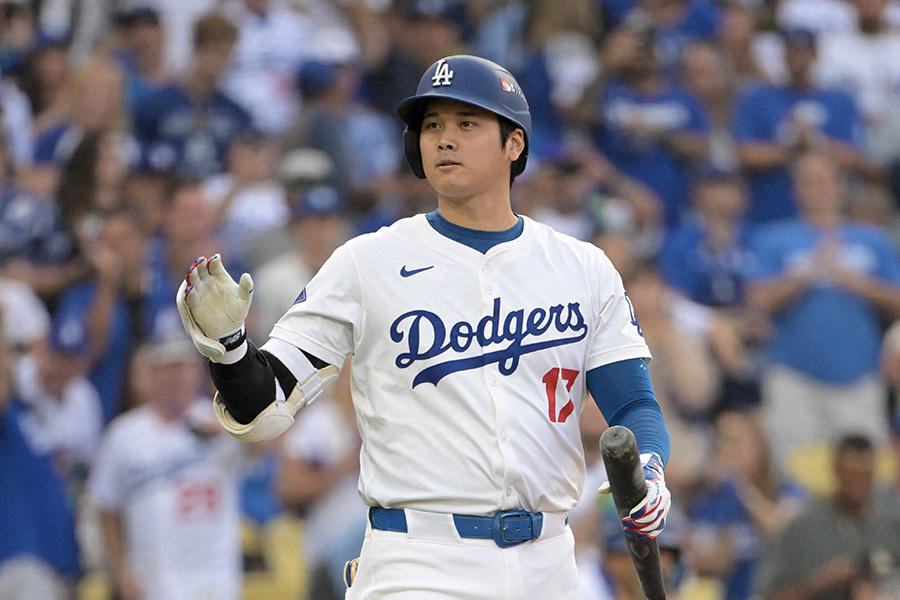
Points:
[(646, 520), (213, 307)]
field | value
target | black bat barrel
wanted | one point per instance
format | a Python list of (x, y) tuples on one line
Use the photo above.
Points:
[(628, 487)]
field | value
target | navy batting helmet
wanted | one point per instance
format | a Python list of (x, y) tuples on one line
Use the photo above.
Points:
[(472, 80)]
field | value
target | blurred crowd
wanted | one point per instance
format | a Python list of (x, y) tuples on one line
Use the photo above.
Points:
[(737, 160)]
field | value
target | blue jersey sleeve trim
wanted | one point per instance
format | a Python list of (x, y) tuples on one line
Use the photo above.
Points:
[(624, 393)]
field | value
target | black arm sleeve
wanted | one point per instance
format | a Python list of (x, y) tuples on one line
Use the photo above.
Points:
[(247, 387)]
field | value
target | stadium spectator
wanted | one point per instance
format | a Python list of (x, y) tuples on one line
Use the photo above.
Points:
[(273, 41), (91, 181), (38, 553), (247, 200), (826, 283), (63, 415), (838, 542), (707, 257), (675, 24), (420, 32), (583, 194), (112, 304), (139, 51), (319, 224), (190, 124), (708, 74), (95, 104), (34, 244), (739, 506), (775, 123), (359, 140), (559, 63), (855, 62), (45, 77), (738, 41), (166, 483), (649, 129)]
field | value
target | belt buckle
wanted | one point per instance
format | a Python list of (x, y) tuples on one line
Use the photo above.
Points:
[(505, 536)]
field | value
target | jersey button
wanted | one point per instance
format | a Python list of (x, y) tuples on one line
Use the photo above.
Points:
[(487, 268), (504, 436), (488, 290), (494, 381)]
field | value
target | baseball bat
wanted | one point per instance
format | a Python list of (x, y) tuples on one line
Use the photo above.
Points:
[(628, 488)]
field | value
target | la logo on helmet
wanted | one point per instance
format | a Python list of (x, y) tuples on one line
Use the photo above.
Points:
[(442, 74)]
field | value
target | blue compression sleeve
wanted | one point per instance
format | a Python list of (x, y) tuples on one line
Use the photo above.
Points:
[(624, 393)]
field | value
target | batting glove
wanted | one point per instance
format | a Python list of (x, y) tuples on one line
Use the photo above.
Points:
[(213, 307), (646, 520)]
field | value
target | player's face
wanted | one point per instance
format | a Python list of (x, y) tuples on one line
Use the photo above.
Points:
[(461, 151)]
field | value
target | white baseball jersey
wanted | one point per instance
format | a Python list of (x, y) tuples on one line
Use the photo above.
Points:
[(177, 494), (469, 369)]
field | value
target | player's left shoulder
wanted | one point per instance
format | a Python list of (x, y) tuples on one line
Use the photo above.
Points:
[(546, 235)]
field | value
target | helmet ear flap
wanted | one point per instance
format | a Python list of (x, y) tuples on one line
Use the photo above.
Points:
[(413, 152)]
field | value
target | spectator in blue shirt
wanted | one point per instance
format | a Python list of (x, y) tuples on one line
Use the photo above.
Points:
[(140, 53), (774, 123), (649, 129), (35, 246), (827, 284), (677, 23), (38, 553), (191, 123), (739, 506), (112, 303), (707, 258)]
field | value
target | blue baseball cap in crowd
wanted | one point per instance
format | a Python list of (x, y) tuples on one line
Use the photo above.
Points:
[(799, 38), (68, 335), (453, 11), (316, 76), (317, 201)]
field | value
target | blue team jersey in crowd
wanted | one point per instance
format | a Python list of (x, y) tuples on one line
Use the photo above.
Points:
[(645, 159), (763, 114), (108, 375), (194, 138), (36, 518), (699, 23), (722, 509), (827, 333), (710, 276), (31, 229)]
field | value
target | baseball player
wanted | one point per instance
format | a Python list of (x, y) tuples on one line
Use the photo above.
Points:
[(476, 335)]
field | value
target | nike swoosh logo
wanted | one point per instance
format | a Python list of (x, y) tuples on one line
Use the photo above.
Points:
[(405, 273)]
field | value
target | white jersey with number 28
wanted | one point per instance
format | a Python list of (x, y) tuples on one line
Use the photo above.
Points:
[(469, 369)]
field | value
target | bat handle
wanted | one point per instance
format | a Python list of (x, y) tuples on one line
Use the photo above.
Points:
[(628, 487)]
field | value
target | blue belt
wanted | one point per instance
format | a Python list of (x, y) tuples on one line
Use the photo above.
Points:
[(507, 528)]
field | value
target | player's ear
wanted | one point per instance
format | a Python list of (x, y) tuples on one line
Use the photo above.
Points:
[(515, 144)]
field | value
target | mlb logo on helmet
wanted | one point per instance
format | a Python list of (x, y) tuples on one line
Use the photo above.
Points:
[(509, 86)]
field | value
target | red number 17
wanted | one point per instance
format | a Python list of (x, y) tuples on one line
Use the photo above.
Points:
[(551, 382)]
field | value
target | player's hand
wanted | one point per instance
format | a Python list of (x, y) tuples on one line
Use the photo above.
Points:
[(646, 520), (213, 307)]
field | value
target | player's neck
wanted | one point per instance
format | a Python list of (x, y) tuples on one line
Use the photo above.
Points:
[(476, 213)]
